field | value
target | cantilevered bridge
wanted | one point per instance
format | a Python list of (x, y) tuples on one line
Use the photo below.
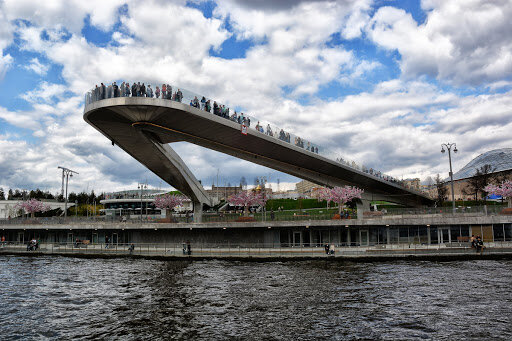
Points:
[(144, 127)]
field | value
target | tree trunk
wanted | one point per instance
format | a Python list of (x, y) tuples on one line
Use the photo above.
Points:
[(340, 205), (509, 202), (246, 210)]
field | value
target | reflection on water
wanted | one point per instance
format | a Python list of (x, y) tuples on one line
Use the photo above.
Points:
[(64, 298)]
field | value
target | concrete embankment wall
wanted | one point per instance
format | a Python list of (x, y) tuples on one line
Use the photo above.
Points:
[(268, 254)]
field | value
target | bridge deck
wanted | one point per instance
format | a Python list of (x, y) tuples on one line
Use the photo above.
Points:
[(132, 122)]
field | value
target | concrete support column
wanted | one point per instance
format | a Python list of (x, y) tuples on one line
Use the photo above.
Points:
[(348, 237), (198, 212), (362, 205), (388, 235)]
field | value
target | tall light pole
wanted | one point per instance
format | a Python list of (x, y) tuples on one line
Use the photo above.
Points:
[(66, 172), (142, 187), (449, 147)]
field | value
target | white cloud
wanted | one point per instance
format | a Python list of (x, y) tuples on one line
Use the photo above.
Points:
[(396, 125), (69, 14), (461, 42), (36, 66)]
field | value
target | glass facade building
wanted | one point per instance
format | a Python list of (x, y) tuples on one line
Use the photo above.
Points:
[(499, 159)]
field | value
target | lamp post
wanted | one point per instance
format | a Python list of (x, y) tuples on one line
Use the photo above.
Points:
[(449, 147), (67, 173), (142, 187)]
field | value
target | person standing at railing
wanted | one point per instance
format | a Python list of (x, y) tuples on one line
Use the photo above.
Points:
[(179, 96), (127, 90), (157, 92), (121, 90), (149, 91), (103, 91), (96, 96), (134, 90), (115, 90), (203, 103), (208, 106), (169, 92), (164, 91), (142, 90), (215, 108)]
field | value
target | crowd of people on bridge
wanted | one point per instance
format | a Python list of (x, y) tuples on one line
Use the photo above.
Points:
[(114, 90), (166, 92)]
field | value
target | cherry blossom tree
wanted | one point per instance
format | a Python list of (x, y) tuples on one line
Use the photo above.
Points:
[(340, 195), (168, 202), (324, 194), (32, 206), (504, 190), (246, 199)]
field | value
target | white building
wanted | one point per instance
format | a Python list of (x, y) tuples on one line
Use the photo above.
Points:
[(8, 207), (129, 203)]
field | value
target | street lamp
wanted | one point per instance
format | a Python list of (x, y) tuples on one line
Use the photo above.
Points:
[(142, 187), (66, 173), (449, 147)]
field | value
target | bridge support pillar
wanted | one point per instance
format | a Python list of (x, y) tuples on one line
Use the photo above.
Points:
[(198, 212), (362, 205)]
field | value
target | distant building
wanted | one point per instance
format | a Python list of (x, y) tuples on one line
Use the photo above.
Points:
[(291, 194), (500, 161), (129, 203), (306, 188), (412, 183), (8, 207), (218, 193), (429, 189)]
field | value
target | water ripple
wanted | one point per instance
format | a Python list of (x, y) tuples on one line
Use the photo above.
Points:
[(68, 298)]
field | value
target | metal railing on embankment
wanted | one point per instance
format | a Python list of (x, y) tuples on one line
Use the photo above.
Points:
[(305, 215), (257, 250)]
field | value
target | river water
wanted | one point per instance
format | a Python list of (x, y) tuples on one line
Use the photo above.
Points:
[(61, 298)]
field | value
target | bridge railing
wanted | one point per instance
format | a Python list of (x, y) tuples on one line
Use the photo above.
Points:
[(267, 128)]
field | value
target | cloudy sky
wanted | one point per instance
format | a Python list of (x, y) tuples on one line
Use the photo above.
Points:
[(380, 82)]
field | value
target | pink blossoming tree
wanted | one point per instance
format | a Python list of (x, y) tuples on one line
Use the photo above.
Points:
[(246, 199), (504, 190), (32, 206), (168, 202), (340, 195)]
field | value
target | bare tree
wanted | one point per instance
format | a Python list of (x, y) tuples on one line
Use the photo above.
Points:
[(442, 190), (476, 184)]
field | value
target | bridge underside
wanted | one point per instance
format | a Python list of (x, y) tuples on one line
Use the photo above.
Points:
[(144, 127)]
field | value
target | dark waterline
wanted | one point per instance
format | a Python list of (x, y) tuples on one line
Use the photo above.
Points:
[(64, 298)]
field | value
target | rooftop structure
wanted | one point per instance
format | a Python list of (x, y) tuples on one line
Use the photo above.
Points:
[(499, 159)]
